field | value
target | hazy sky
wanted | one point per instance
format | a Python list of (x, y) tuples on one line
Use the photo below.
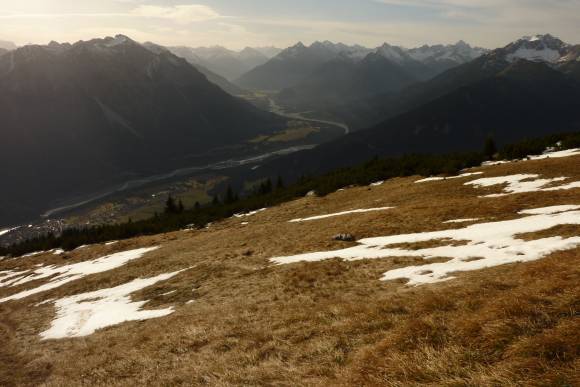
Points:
[(239, 23)]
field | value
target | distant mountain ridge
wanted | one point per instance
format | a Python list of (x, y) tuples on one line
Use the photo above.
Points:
[(357, 73), (294, 64), (224, 62), (8, 46)]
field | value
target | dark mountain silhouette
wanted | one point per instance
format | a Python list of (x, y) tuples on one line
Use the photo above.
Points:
[(78, 117)]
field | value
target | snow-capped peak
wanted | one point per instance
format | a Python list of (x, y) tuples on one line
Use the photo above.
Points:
[(117, 40), (537, 48), (393, 53)]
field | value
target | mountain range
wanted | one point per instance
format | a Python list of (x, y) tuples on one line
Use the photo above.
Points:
[(297, 65), (528, 88), (79, 117), (96, 113), (387, 69)]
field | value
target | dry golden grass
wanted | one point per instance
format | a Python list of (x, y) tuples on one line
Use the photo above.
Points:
[(322, 323)]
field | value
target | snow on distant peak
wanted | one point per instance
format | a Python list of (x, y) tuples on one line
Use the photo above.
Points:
[(538, 48), (461, 52), (393, 53), (117, 41)]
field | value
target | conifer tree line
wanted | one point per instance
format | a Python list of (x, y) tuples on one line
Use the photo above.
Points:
[(266, 194)]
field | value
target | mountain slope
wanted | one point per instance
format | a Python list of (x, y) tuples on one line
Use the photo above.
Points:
[(80, 117), (215, 298)]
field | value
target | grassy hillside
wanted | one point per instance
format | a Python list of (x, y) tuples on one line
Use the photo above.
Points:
[(239, 319)]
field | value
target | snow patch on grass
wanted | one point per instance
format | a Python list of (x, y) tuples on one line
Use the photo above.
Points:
[(488, 244), (548, 154), (61, 275), (557, 154), (549, 210), (246, 214), (339, 214), (6, 231), (522, 183), (441, 178), (83, 314), (462, 220)]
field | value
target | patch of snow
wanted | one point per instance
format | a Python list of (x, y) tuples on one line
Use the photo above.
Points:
[(557, 154), (486, 245), (83, 314), (6, 231), (437, 178), (548, 154), (33, 254), (245, 223), (378, 183), (522, 183), (44, 302), (543, 55), (168, 293), (462, 220), (243, 215), (340, 214), (549, 210), (60, 275), (492, 163), (10, 276), (111, 243), (58, 251)]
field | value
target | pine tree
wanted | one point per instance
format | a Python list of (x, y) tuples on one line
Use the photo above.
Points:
[(180, 207), (170, 206), (230, 196), (216, 200), (279, 183), (489, 149), (197, 206)]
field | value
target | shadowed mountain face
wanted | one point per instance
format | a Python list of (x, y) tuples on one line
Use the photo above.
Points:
[(76, 118)]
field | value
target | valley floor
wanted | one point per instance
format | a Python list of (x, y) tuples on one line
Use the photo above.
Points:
[(246, 302)]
